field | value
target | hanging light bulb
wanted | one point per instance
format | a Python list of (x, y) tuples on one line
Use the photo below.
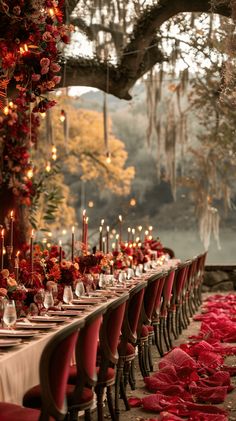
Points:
[(48, 166), (6, 110), (54, 153), (62, 116), (51, 12), (108, 157), (30, 173)]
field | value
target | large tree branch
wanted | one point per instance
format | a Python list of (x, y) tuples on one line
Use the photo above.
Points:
[(141, 53)]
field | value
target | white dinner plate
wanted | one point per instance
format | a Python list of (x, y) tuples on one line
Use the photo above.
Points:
[(63, 313), (23, 325), (17, 333), (78, 307), (6, 343), (48, 319)]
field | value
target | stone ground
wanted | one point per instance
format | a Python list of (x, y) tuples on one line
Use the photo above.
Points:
[(137, 414)]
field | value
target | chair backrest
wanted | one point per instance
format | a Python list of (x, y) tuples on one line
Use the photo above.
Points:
[(149, 299), (86, 351), (161, 283), (111, 329), (54, 370), (168, 286), (132, 313), (179, 281)]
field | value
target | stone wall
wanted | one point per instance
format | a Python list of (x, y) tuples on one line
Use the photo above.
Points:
[(219, 278)]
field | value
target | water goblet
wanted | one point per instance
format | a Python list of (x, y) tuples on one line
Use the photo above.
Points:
[(122, 278), (9, 314), (39, 298), (130, 273), (79, 289), (67, 294), (48, 300)]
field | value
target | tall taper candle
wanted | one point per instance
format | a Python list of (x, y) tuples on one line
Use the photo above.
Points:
[(86, 234), (2, 248), (31, 253), (11, 228), (83, 226), (100, 238), (72, 243), (129, 231), (108, 229), (60, 251), (120, 227), (133, 234)]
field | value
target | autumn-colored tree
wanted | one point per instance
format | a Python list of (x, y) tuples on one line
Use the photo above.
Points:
[(80, 152)]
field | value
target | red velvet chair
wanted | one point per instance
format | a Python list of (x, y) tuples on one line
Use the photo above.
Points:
[(177, 298), (107, 354), (146, 330), (156, 314), (165, 306), (53, 370), (80, 397), (126, 348), (109, 339)]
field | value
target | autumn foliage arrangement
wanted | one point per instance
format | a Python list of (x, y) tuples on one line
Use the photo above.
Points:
[(29, 55)]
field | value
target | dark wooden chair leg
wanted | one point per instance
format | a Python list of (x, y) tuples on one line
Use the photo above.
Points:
[(165, 335), (168, 327), (99, 392), (161, 335), (132, 375), (110, 403), (150, 340)]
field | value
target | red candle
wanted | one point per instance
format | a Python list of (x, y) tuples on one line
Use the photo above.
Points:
[(60, 252), (11, 228), (120, 223), (2, 248), (83, 226), (72, 243), (31, 253), (86, 234)]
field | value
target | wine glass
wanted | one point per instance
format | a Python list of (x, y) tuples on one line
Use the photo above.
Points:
[(48, 300), (39, 298), (130, 273), (79, 289), (122, 278), (9, 313), (67, 294)]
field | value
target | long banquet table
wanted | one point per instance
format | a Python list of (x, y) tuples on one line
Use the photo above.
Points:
[(19, 366)]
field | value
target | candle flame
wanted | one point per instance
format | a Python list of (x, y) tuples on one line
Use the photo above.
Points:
[(11, 214), (84, 212), (140, 228), (102, 222), (120, 218), (129, 229), (117, 236), (18, 253), (100, 228), (32, 233), (60, 243), (146, 232), (86, 220), (73, 230), (108, 228), (150, 228), (2, 232), (133, 230)]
